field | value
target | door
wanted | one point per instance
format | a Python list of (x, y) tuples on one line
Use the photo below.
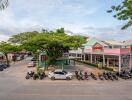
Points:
[(62, 75)]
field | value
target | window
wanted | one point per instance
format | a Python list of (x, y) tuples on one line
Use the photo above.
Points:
[(65, 72), (56, 73), (61, 73)]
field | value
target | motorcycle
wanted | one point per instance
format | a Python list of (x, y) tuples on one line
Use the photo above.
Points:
[(124, 75), (77, 75), (86, 76), (110, 76), (35, 76), (29, 75), (100, 76), (81, 75), (41, 75), (93, 76), (114, 76), (105, 75)]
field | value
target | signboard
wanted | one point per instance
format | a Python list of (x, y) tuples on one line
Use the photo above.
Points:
[(97, 48), (44, 58), (131, 49)]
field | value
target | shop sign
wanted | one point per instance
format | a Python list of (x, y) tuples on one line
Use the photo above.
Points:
[(44, 58), (97, 48), (131, 48)]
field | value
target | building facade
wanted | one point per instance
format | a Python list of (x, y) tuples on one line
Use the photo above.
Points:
[(112, 54)]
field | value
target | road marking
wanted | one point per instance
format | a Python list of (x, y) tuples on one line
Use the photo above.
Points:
[(77, 95)]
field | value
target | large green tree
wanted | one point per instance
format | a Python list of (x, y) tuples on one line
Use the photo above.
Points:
[(123, 11), (3, 4), (22, 37), (55, 43), (6, 48)]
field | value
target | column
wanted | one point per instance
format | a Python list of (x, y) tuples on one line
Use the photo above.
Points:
[(76, 54), (84, 57), (103, 60), (91, 58), (119, 63), (107, 62), (81, 56), (95, 59), (130, 61)]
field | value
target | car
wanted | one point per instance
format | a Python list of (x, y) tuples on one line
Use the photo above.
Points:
[(33, 59), (18, 58), (60, 74), (31, 64), (21, 57), (6, 65), (1, 67)]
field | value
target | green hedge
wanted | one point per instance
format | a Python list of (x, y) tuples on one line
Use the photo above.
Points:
[(95, 65)]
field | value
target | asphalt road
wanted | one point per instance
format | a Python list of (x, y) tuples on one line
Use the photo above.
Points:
[(13, 86)]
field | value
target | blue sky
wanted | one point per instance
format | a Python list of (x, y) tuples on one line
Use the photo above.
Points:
[(86, 17)]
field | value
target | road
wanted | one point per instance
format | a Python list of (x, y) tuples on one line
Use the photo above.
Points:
[(13, 86)]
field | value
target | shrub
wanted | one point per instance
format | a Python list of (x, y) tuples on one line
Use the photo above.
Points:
[(107, 68), (96, 65)]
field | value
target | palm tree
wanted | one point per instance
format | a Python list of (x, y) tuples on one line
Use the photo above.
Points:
[(3, 4)]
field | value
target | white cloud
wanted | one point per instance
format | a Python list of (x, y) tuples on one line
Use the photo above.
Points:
[(30, 15), (10, 25), (3, 37), (111, 32)]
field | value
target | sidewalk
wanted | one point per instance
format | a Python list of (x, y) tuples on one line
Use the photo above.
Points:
[(84, 67)]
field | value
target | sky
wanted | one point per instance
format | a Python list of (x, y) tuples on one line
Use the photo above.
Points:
[(83, 17)]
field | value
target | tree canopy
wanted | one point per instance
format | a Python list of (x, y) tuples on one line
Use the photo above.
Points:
[(3, 4), (6, 48), (55, 43), (123, 11)]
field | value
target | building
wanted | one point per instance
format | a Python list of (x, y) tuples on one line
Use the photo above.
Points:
[(43, 60), (117, 55), (2, 57)]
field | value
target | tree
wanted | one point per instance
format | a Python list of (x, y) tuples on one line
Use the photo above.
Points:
[(123, 11), (22, 37), (8, 48), (55, 43), (3, 4)]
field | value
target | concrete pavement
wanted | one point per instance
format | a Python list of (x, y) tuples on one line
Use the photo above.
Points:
[(13, 86)]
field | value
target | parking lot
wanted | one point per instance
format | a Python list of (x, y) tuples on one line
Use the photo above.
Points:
[(14, 86)]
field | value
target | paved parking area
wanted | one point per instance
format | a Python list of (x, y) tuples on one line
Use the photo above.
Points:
[(13, 86)]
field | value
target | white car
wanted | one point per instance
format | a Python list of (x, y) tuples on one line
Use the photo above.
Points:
[(60, 74), (31, 64)]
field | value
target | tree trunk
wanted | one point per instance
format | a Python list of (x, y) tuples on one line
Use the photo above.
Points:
[(7, 60)]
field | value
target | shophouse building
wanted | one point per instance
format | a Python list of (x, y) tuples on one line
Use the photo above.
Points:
[(117, 55)]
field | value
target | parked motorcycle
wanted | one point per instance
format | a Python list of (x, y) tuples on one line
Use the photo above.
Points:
[(114, 76), (29, 75), (110, 76), (77, 75), (124, 75), (93, 76), (35, 76), (86, 76), (105, 75), (41, 75), (81, 75), (100, 76)]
